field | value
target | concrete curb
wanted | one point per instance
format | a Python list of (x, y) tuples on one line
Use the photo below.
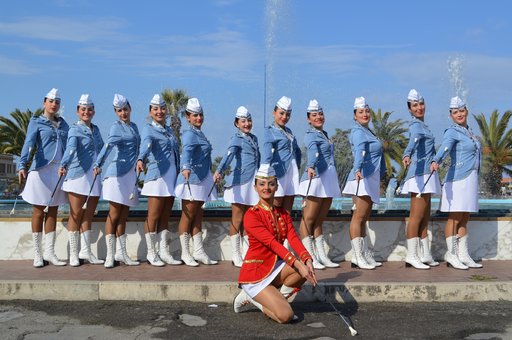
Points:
[(224, 292)]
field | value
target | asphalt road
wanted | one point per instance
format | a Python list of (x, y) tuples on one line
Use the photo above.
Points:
[(187, 320)]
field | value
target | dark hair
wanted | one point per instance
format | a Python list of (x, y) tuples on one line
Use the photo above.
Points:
[(78, 106), (409, 105), (256, 180), (308, 113)]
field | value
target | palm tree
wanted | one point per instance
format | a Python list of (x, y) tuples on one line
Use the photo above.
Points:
[(342, 155), (14, 129), (496, 148), (176, 101), (391, 135)]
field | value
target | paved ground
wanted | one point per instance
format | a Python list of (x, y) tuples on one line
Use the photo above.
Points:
[(30, 320)]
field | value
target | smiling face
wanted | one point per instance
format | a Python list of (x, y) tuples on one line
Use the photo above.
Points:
[(459, 116), (158, 113), (417, 109), (123, 113), (195, 119), (316, 119), (51, 106), (281, 117), (362, 116), (85, 113), (266, 188), (244, 124)]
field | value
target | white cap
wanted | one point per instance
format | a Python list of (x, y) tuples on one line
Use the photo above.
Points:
[(157, 100), (414, 96), (265, 171), (360, 103), (120, 101), (85, 100), (314, 106), (193, 106), (456, 103), (242, 112), (285, 103), (53, 94)]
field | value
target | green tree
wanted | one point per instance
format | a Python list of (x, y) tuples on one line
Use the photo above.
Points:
[(176, 101), (342, 155), (496, 148), (14, 129), (391, 135)]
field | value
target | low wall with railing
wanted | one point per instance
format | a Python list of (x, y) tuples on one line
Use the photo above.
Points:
[(490, 238)]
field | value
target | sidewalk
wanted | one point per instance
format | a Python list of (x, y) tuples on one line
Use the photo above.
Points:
[(391, 282)]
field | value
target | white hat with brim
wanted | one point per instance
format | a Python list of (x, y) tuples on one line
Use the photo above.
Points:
[(85, 100), (53, 94), (157, 100), (242, 112), (265, 171), (414, 96), (285, 103), (360, 103), (457, 103), (314, 106), (119, 101), (193, 106)]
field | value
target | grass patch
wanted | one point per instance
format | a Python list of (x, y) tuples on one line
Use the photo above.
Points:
[(482, 278)]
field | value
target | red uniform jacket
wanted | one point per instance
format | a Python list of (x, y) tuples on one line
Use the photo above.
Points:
[(267, 232)]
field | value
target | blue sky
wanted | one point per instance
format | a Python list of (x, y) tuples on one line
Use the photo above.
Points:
[(330, 50)]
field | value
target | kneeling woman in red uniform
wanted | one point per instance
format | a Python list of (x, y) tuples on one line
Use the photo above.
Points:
[(271, 273)]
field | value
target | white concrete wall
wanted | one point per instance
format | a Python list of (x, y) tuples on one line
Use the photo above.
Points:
[(489, 239)]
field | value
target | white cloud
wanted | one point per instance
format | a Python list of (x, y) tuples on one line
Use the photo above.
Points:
[(12, 67), (63, 29)]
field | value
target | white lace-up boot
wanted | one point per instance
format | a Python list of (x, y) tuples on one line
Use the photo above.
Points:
[(358, 258), (322, 256), (74, 237), (38, 251), (308, 244), (85, 249), (425, 254), (199, 253), (451, 256), (163, 248), (49, 250), (463, 253), (185, 250), (151, 256), (412, 258), (368, 254), (236, 257), (121, 253), (110, 241)]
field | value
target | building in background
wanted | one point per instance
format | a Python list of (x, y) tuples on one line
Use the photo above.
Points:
[(7, 175)]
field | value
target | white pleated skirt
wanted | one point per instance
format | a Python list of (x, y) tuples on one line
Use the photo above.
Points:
[(40, 184), (242, 194), (119, 189), (324, 186), (289, 183), (461, 196), (415, 184), (197, 192), (162, 186), (82, 185), (253, 289), (368, 186)]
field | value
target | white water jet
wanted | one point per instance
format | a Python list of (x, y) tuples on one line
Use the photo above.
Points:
[(456, 72)]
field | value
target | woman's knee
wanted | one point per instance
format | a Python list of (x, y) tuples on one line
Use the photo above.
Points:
[(284, 315)]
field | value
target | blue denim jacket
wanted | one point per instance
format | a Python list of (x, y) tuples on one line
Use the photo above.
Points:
[(362, 139), (285, 146), (196, 156), (317, 141), (124, 139), (243, 149), (82, 147), (420, 149), (464, 149), (160, 149), (42, 135)]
